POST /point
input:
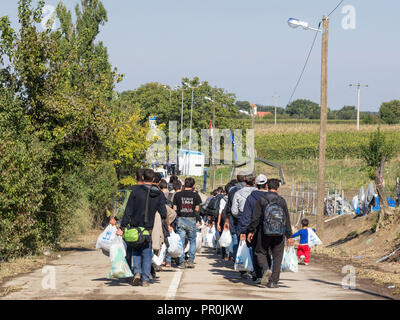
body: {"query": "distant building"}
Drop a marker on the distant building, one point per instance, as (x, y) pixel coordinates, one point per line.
(260, 114)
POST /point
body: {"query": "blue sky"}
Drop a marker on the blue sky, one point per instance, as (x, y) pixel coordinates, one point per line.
(247, 48)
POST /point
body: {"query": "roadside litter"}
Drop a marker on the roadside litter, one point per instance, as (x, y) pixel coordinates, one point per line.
(342, 206)
(388, 256)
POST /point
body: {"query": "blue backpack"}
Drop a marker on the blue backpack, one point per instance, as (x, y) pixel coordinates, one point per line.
(274, 223)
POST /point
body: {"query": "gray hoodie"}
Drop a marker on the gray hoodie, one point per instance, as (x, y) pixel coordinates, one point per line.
(239, 200)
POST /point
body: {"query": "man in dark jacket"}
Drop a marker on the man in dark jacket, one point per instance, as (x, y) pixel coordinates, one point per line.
(135, 216)
(266, 242)
(245, 219)
(232, 220)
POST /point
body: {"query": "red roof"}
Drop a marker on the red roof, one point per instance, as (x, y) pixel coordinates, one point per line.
(262, 114)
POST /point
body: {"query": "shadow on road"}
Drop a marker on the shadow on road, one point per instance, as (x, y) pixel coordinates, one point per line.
(359, 290)
(113, 282)
(220, 266)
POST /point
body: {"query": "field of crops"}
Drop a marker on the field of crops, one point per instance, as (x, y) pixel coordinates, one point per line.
(301, 141)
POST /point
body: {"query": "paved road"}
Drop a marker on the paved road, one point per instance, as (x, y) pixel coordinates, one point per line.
(82, 275)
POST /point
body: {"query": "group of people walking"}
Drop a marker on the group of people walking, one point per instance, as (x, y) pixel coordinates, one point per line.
(250, 208)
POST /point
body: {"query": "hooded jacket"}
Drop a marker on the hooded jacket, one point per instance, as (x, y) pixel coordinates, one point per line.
(239, 200)
(258, 213)
(134, 214)
(244, 218)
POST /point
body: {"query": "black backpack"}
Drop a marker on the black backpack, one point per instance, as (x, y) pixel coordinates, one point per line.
(213, 205)
(274, 223)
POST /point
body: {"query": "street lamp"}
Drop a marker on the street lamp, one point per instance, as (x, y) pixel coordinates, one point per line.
(191, 112)
(276, 104)
(295, 23)
(212, 142)
(358, 101)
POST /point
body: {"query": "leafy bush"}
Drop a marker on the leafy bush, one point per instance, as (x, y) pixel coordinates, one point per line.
(21, 184)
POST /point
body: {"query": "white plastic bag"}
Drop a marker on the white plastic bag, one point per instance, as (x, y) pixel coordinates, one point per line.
(199, 242)
(210, 238)
(158, 260)
(230, 248)
(243, 261)
(204, 233)
(226, 239)
(187, 247)
(290, 261)
(117, 243)
(313, 239)
(175, 249)
(106, 238)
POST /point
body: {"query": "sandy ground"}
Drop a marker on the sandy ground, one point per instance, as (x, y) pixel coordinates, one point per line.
(82, 275)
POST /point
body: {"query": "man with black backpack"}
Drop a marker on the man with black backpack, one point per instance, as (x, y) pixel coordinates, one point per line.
(271, 216)
(137, 223)
(215, 205)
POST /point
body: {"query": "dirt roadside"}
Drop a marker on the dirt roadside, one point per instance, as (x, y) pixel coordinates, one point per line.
(23, 266)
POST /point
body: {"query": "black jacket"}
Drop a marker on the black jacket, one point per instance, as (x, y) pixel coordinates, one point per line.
(134, 214)
(259, 209)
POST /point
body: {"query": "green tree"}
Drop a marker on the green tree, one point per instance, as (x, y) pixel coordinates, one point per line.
(304, 109)
(376, 154)
(56, 98)
(390, 112)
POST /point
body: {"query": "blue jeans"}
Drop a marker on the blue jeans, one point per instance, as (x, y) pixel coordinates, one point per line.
(187, 226)
(235, 243)
(141, 260)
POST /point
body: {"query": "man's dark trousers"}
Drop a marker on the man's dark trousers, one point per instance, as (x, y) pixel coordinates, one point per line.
(277, 246)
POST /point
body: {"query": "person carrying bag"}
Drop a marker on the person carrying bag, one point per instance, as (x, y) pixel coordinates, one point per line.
(136, 225)
(139, 237)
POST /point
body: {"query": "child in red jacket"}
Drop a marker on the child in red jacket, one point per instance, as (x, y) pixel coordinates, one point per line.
(303, 250)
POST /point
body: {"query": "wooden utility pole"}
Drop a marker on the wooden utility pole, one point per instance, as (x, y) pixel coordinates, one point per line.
(322, 139)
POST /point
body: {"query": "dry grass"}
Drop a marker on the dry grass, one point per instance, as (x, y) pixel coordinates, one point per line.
(352, 242)
(4, 291)
(262, 129)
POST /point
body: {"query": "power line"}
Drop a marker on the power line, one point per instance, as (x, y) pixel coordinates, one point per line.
(305, 64)
(336, 7)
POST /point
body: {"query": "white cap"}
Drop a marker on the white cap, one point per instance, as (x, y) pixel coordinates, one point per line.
(261, 179)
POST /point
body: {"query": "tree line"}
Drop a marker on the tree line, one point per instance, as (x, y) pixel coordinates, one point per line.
(389, 112)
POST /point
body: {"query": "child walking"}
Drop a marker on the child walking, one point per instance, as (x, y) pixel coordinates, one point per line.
(303, 250)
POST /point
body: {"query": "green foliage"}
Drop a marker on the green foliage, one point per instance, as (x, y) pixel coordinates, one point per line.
(154, 99)
(57, 112)
(377, 149)
(390, 112)
(304, 109)
(346, 113)
(340, 145)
